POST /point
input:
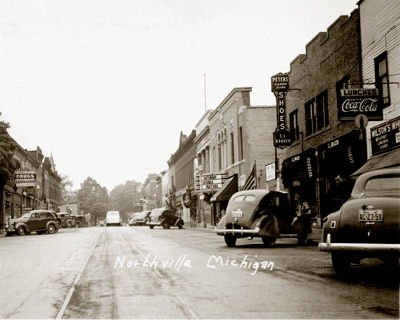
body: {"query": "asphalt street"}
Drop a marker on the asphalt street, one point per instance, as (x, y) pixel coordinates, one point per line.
(134, 272)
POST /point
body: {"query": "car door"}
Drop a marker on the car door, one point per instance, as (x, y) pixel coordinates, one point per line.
(34, 222)
(43, 220)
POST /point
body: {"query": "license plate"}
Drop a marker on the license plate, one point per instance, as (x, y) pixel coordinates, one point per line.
(237, 213)
(375, 215)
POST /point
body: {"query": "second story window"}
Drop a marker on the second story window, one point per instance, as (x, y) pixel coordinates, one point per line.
(294, 125)
(322, 110)
(232, 149)
(382, 78)
(310, 114)
(240, 143)
(316, 113)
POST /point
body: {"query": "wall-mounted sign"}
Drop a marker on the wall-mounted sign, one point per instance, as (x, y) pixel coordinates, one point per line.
(280, 82)
(355, 101)
(210, 182)
(385, 136)
(25, 179)
(279, 86)
(270, 172)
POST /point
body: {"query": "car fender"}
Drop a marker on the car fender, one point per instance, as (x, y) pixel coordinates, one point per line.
(298, 225)
(268, 225)
(330, 225)
(52, 222)
(178, 220)
(221, 223)
(19, 224)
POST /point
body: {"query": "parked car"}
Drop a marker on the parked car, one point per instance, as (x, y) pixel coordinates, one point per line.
(38, 221)
(165, 218)
(79, 221)
(132, 220)
(141, 218)
(262, 213)
(113, 218)
(368, 223)
(65, 220)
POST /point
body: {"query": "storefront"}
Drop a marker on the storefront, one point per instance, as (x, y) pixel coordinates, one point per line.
(338, 159)
(221, 198)
(299, 177)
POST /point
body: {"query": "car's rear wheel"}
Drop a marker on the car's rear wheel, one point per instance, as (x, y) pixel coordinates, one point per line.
(51, 228)
(268, 241)
(39, 232)
(340, 262)
(69, 224)
(180, 224)
(230, 240)
(8, 234)
(151, 227)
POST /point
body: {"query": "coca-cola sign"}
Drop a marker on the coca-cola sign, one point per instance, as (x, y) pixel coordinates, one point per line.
(352, 102)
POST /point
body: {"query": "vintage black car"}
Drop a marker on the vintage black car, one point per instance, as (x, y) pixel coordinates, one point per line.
(165, 218)
(368, 223)
(39, 221)
(261, 213)
(65, 220)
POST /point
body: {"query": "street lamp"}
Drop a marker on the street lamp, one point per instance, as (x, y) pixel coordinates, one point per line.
(202, 218)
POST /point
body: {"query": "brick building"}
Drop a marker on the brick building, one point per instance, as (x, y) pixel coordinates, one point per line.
(181, 179)
(240, 140)
(324, 150)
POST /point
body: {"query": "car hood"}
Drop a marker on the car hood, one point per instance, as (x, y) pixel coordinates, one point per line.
(16, 220)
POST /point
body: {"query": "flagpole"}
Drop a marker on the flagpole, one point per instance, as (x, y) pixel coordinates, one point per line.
(205, 94)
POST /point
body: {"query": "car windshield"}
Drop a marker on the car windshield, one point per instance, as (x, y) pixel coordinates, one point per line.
(141, 215)
(26, 215)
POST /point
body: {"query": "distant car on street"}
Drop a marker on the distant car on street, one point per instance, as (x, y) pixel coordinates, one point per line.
(113, 218)
(368, 223)
(39, 221)
(163, 217)
(141, 218)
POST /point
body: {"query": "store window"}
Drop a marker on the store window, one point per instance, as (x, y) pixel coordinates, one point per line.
(232, 149)
(240, 143)
(382, 78)
(311, 117)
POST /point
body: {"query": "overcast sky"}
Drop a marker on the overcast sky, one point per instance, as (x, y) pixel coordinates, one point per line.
(106, 86)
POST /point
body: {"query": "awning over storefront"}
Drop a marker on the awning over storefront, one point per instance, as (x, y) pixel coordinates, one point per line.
(229, 187)
(386, 160)
(298, 167)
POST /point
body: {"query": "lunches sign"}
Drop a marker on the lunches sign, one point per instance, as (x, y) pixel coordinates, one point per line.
(355, 101)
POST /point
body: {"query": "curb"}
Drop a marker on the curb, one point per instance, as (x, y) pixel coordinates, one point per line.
(315, 236)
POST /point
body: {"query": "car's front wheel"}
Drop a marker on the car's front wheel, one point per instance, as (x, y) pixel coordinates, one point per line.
(340, 262)
(165, 225)
(51, 228)
(69, 224)
(268, 241)
(21, 231)
(151, 227)
(230, 240)
(180, 224)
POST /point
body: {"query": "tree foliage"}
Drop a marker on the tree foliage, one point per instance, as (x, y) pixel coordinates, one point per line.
(93, 198)
(66, 187)
(124, 197)
(8, 164)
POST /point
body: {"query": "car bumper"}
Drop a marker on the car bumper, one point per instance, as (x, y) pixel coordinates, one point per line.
(328, 246)
(240, 231)
(154, 224)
